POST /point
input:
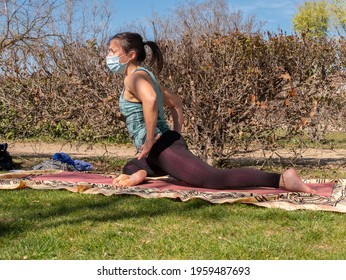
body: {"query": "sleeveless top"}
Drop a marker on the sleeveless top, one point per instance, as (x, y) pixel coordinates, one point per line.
(133, 112)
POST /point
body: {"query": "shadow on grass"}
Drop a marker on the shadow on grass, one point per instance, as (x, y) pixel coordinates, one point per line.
(39, 210)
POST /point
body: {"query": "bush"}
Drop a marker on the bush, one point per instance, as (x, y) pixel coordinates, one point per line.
(74, 99)
(244, 91)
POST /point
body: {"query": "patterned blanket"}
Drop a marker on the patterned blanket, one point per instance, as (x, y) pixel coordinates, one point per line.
(331, 194)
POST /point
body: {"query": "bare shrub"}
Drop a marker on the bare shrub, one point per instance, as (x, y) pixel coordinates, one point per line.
(68, 97)
(54, 81)
(244, 91)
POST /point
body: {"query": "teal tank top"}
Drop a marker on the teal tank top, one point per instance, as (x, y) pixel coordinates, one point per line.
(133, 112)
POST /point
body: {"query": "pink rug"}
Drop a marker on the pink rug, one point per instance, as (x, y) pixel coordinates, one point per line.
(323, 189)
(330, 193)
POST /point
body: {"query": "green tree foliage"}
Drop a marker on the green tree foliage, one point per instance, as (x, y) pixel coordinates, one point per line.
(312, 19)
(320, 18)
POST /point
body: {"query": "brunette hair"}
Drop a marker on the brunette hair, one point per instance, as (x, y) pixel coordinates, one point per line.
(133, 41)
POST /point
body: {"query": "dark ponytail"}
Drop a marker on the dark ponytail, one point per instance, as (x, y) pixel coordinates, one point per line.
(156, 57)
(133, 41)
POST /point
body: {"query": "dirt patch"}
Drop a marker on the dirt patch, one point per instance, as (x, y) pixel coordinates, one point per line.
(110, 158)
(43, 149)
(308, 157)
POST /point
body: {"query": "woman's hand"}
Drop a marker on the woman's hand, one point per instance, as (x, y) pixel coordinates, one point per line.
(146, 147)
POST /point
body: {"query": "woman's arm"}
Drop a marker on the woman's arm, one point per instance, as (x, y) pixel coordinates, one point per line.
(173, 102)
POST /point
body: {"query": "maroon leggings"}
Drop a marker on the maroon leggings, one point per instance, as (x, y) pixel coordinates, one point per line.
(171, 156)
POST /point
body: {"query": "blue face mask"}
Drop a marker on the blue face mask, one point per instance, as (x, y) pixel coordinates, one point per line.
(114, 64)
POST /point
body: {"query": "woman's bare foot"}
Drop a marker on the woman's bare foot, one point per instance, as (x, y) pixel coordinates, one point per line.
(125, 180)
(290, 181)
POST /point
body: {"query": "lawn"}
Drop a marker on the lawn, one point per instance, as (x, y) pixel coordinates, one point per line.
(62, 225)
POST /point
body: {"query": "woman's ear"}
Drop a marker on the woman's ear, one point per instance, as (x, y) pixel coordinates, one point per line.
(132, 55)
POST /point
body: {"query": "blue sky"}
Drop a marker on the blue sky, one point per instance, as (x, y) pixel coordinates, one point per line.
(275, 13)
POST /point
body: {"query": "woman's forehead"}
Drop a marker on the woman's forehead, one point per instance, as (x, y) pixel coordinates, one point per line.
(115, 44)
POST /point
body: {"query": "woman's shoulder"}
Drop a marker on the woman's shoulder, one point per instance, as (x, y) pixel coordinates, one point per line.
(137, 76)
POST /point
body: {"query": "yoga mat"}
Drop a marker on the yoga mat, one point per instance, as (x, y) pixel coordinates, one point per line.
(330, 194)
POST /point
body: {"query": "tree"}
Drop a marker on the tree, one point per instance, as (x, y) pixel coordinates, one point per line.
(320, 18)
(338, 12)
(198, 18)
(24, 21)
(312, 19)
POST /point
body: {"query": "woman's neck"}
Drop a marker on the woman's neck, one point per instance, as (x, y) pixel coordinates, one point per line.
(131, 68)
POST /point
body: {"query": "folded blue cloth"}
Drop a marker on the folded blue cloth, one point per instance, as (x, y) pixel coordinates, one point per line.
(78, 164)
(82, 165)
(64, 158)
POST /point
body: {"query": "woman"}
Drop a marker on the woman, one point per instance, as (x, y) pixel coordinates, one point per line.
(162, 151)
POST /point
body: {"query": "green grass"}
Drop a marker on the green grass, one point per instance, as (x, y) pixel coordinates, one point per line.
(332, 140)
(63, 225)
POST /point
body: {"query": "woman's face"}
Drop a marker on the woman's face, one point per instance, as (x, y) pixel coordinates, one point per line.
(116, 50)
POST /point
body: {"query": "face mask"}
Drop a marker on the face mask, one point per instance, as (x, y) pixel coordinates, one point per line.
(114, 64)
